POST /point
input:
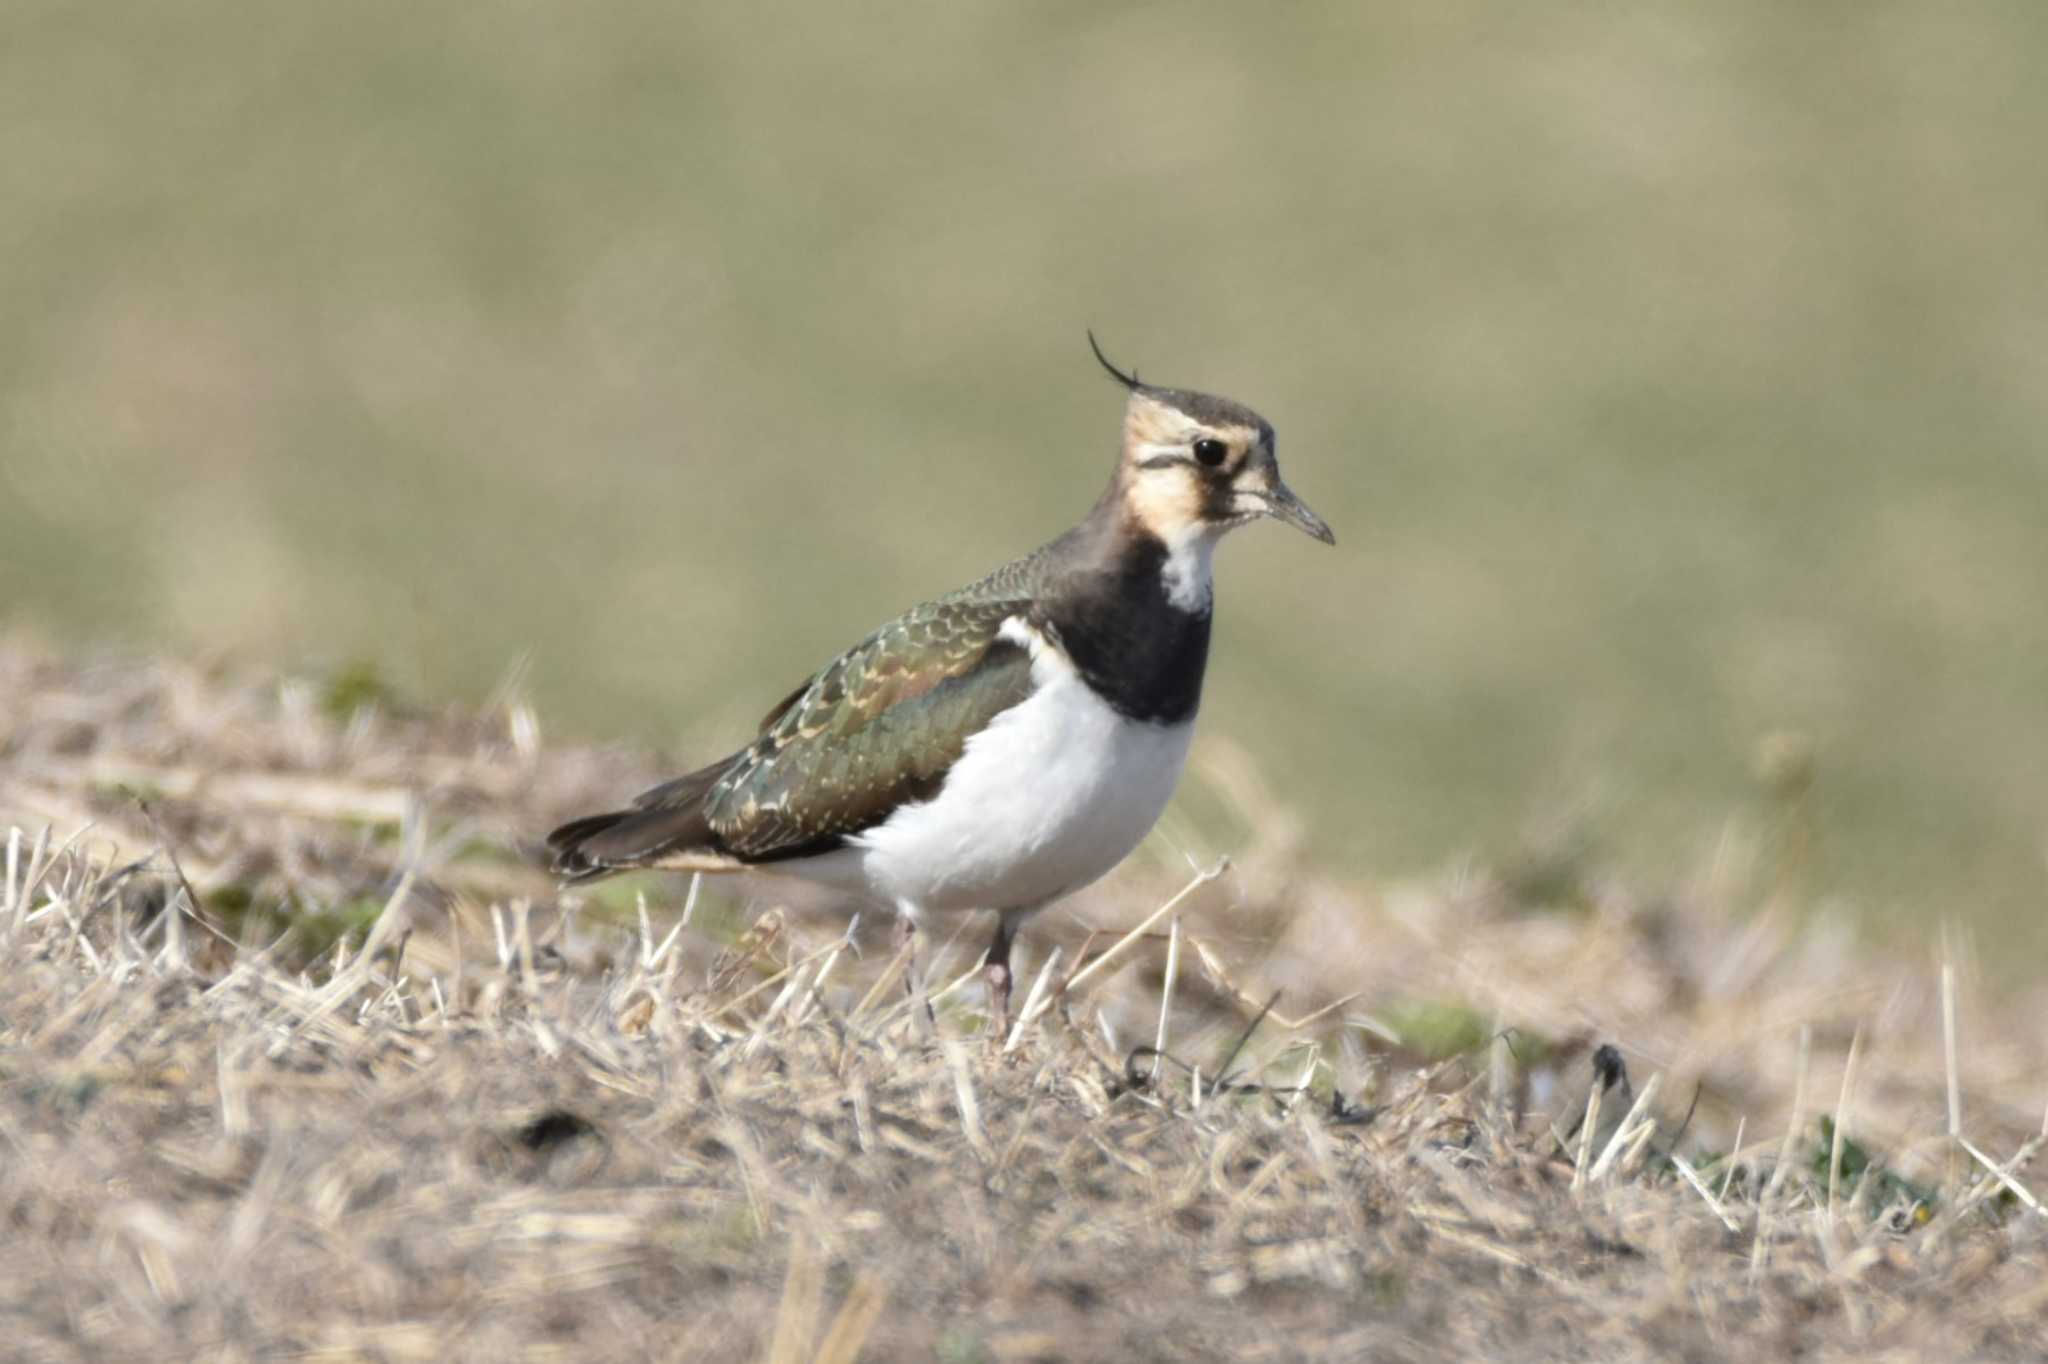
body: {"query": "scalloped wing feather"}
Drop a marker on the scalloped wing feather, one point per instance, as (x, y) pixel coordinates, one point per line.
(876, 728)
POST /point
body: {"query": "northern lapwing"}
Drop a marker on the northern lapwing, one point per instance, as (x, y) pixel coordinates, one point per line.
(1004, 745)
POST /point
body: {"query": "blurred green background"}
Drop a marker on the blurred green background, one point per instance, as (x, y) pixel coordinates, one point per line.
(1674, 375)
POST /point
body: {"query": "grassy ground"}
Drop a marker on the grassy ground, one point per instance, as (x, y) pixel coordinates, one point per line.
(299, 1055)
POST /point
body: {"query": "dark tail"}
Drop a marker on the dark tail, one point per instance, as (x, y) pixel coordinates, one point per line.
(667, 823)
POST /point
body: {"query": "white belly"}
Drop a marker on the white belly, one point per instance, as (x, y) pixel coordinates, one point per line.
(1055, 792)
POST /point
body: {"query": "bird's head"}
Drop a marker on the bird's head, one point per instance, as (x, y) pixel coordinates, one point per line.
(1198, 465)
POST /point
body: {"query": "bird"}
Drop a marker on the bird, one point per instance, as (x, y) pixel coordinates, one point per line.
(1001, 746)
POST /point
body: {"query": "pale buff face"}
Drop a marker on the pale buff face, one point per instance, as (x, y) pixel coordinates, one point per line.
(1183, 477)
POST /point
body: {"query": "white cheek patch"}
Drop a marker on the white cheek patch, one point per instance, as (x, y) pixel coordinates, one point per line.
(1165, 500)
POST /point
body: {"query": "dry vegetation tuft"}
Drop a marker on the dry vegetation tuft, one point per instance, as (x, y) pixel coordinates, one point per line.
(297, 1056)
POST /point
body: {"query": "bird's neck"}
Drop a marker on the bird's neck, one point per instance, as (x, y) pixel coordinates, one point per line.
(1133, 612)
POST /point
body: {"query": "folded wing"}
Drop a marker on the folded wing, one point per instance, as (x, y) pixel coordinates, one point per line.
(877, 728)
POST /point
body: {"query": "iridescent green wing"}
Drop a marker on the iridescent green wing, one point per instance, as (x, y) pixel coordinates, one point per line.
(877, 728)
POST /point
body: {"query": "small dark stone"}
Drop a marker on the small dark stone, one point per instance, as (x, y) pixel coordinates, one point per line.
(554, 1128)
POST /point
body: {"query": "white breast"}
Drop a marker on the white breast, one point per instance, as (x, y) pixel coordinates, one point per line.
(1055, 792)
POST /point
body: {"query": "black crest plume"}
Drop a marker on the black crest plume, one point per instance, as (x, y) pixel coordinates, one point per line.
(1129, 381)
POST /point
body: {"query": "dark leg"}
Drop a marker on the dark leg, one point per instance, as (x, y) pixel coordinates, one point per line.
(997, 970)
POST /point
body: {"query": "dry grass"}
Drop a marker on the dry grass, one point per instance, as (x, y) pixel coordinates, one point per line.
(471, 1122)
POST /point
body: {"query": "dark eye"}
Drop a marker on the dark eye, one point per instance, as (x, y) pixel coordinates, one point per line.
(1210, 451)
